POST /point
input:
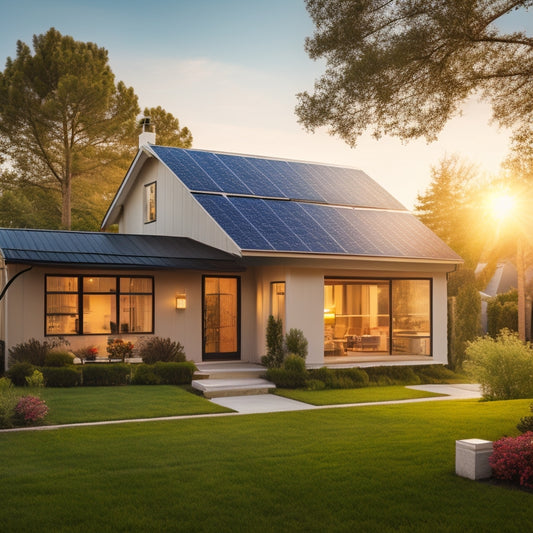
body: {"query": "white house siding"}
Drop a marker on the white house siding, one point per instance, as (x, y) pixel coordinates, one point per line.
(178, 213)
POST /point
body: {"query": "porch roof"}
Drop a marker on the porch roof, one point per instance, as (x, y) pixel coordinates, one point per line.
(92, 249)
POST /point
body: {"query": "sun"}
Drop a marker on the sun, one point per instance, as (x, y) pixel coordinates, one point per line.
(502, 205)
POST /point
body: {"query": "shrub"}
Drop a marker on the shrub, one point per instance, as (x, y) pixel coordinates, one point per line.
(8, 402)
(526, 423)
(119, 349)
(18, 373)
(58, 358)
(105, 374)
(34, 351)
(314, 384)
(292, 374)
(87, 353)
(145, 375)
(274, 341)
(502, 313)
(36, 380)
(158, 349)
(62, 376)
(434, 373)
(341, 378)
(392, 375)
(503, 366)
(175, 373)
(30, 410)
(296, 343)
(512, 459)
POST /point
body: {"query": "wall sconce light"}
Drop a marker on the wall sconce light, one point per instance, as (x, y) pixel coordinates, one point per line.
(181, 301)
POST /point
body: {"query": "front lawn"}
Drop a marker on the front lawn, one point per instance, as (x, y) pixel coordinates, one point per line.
(89, 404)
(347, 396)
(387, 468)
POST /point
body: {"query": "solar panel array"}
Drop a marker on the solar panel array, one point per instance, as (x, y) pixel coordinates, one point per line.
(272, 178)
(291, 226)
(288, 206)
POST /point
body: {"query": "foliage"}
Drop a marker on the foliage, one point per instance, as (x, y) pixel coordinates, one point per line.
(36, 380)
(392, 375)
(291, 375)
(58, 358)
(175, 373)
(502, 312)
(87, 353)
(434, 374)
(105, 374)
(62, 116)
(274, 341)
(526, 422)
(340, 378)
(62, 376)
(450, 207)
(512, 459)
(503, 366)
(8, 402)
(404, 68)
(296, 343)
(158, 349)
(119, 349)
(34, 351)
(30, 410)
(144, 375)
(18, 373)
(167, 128)
(466, 321)
(167, 373)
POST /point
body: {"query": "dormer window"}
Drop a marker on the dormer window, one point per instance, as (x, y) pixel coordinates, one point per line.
(150, 202)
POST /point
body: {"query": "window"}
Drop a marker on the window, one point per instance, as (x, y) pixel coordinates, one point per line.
(277, 300)
(85, 305)
(150, 202)
(388, 316)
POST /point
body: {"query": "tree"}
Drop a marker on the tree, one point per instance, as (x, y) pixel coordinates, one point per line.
(62, 117)
(450, 207)
(167, 128)
(403, 68)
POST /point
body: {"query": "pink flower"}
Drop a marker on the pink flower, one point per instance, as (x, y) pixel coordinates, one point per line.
(512, 459)
(31, 409)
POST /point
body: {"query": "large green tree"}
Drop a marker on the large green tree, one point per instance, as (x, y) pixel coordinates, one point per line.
(62, 116)
(167, 128)
(404, 67)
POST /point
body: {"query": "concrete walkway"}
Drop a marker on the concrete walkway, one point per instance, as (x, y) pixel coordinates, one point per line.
(270, 403)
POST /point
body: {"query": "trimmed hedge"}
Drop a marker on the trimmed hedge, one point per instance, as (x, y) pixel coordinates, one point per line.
(392, 375)
(58, 358)
(340, 378)
(62, 376)
(164, 373)
(18, 373)
(106, 374)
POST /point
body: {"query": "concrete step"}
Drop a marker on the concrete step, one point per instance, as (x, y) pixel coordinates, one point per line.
(229, 371)
(217, 388)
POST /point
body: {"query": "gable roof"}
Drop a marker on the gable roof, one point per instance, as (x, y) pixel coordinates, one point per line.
(91, 249)
(271, 206)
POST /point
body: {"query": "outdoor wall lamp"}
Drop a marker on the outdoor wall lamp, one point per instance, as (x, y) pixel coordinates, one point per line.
(181, 301)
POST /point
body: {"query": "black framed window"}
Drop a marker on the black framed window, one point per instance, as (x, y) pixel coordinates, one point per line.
(150, 202)
(96, 305)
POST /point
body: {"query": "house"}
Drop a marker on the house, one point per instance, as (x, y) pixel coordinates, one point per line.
(209, 245)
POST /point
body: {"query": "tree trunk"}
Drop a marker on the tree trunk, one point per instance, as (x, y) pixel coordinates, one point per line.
(66, 188)
(521, 286)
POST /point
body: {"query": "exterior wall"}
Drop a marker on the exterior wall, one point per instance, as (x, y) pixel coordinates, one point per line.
(178, 213)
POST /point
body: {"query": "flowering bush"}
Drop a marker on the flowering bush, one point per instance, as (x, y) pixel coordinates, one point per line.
(36, 380)
(118, 349)
(88, 353)
(512, 459)
(30, 409)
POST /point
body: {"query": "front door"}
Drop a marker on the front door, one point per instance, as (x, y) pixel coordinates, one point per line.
(221, 318)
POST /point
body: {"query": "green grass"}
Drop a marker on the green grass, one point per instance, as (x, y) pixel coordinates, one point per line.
(89, 404)
(387, 468)
(344, 396)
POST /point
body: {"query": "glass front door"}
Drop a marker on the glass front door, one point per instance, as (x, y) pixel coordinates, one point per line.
(221, 318)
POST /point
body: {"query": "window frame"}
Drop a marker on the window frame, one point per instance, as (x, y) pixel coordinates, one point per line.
(390, 280)
(149, 198)
(80, 295)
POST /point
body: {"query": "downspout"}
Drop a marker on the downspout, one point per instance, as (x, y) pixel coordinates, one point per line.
(3, 303)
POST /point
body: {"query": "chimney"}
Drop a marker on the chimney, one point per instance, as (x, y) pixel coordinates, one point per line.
(147, 135)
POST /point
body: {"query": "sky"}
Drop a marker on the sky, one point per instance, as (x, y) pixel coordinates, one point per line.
(230, 70)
